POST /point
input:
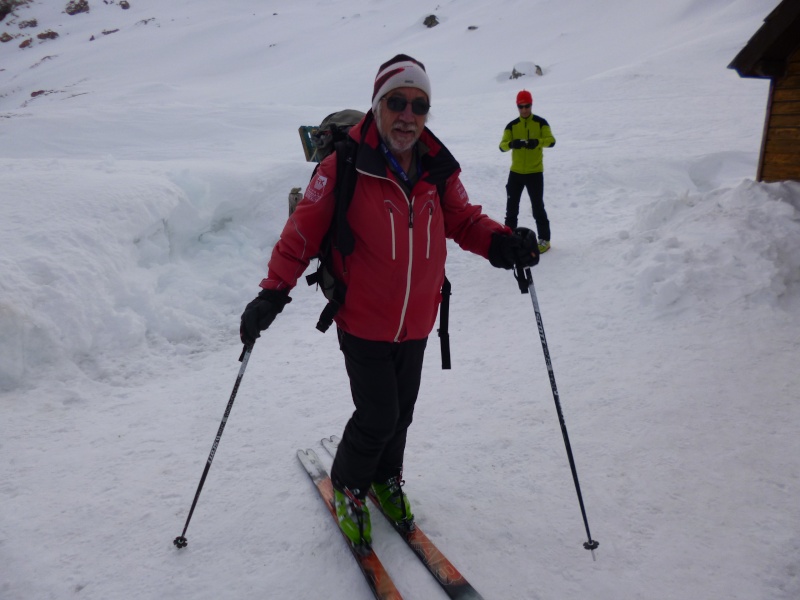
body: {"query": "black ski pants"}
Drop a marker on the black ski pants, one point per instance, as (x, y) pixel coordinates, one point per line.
(534, 183)
(384, 381)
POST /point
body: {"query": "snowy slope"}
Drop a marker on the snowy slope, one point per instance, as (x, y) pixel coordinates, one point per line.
(141, 194)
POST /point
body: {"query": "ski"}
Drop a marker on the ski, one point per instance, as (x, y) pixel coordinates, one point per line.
(453, 583)
(375, 574)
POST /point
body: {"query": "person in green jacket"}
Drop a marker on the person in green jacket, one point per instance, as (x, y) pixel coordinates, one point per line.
(526, 136)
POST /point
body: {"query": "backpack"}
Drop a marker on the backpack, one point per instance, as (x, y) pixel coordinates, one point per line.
(318, 140)
(332, 135)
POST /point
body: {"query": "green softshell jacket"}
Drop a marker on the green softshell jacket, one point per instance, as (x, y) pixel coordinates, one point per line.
(525, 160)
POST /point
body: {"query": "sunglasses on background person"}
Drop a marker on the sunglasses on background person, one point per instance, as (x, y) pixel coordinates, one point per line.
(419, 106)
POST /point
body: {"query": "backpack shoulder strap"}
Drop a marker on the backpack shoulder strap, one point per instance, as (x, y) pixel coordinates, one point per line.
(444, 307)
(339, 234)
(346, 176)
(346, 151)
(444, 323)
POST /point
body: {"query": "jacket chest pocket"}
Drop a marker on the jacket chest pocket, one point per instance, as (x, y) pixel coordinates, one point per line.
(413, 227)
(427, 221)
(394, 219)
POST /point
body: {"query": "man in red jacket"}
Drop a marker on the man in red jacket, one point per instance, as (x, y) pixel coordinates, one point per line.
(393, 276)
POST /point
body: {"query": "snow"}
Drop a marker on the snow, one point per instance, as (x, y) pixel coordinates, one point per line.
(142, 194)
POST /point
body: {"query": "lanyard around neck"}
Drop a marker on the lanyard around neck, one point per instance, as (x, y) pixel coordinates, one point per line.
(396, 165)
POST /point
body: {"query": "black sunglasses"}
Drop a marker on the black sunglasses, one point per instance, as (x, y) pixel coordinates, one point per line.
(523, 105)
(419, 106)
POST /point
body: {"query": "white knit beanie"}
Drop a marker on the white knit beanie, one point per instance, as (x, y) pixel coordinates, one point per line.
(400, 71)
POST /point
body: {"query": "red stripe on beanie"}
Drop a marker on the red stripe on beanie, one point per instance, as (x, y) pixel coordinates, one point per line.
(386, 77)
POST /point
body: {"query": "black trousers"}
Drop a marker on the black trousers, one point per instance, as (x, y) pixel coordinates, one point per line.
(384, 381)
(534, 183)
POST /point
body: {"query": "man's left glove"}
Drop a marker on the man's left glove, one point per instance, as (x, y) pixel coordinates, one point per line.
(531, 144)
(520, 248)
(260, 313)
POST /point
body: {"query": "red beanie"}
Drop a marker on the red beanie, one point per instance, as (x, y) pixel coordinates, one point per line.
(400, 71)
(524, 97)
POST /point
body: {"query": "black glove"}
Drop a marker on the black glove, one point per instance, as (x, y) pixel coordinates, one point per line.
(516, 144)
(520, 248)
(260, 313)
(532, 144)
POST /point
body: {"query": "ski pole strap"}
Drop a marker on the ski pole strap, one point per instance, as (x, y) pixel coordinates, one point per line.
(444, 323)
(523, 277)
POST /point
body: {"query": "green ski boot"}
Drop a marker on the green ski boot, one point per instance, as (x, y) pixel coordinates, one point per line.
(353, 516)
(394, 502)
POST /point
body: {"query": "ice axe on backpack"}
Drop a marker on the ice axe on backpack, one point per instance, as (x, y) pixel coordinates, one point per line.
(525, 281)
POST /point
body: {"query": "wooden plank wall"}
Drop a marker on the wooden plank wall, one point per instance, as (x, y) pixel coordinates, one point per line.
(780, 158)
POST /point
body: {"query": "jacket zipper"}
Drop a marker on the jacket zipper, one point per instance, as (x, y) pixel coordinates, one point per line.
(410, 264)
(410, 249)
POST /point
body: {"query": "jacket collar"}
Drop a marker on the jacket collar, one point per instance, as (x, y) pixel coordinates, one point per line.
(438, 164)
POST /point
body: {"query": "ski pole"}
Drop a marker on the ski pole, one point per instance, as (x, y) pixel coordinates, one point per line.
(525, 281)
(181, 540)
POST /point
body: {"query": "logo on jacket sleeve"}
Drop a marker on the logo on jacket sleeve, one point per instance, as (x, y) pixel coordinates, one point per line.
(316, 188)
(462, 192)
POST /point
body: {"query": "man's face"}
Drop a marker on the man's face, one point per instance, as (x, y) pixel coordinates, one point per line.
(524, 109)
(401, 129)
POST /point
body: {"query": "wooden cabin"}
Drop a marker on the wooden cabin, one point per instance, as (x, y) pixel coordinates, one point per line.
(774, 53)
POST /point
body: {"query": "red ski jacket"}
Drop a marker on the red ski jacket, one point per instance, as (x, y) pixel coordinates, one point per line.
(395, 273)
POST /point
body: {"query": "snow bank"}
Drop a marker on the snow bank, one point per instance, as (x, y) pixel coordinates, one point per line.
(128, 261)
(104, 258)
(722, 248)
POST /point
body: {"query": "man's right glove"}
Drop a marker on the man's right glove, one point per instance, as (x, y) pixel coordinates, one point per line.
(260, 313)
(516, 144)
(520, 248)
